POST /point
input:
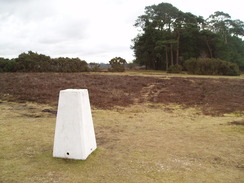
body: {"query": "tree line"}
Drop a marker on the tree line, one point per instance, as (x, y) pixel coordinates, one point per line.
(34, 62)
(170, 37)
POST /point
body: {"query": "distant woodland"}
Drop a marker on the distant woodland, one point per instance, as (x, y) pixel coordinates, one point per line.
(170, 37)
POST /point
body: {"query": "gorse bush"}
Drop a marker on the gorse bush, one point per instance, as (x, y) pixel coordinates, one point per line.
(68, 65)
(117, 64)
(33, 62)
(208, 66)
(7, 65)
(175, 69)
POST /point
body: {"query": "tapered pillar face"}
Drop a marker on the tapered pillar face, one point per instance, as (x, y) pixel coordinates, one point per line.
(74, 133)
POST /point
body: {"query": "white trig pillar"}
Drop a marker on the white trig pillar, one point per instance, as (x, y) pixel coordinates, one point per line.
(74, 133)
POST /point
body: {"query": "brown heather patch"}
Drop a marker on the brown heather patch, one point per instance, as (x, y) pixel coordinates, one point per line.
(215, 96)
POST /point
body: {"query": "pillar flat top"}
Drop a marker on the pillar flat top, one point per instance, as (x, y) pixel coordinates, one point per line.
(74, 90)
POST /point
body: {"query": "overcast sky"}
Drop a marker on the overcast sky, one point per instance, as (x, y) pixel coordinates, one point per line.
(93, 30)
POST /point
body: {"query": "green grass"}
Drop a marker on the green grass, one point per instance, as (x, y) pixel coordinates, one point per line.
(146, 143)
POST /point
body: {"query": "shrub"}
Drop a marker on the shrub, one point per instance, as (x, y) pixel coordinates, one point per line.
(207, 66)
(34, 62)
(62, 64)
(175, 69)
(7, 65)
(117, 64)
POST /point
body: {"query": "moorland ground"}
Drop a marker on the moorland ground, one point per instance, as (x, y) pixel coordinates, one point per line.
(149, 128)
(214, 96)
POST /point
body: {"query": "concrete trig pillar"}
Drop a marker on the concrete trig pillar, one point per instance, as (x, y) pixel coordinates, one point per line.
(74, 133)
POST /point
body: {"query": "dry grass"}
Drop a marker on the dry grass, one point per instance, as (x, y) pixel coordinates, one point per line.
(138, 144)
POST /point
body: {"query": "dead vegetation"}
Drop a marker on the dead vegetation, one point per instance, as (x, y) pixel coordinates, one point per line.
(237, 123)
(215, 96)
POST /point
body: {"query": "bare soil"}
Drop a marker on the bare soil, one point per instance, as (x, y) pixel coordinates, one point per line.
(214, 96)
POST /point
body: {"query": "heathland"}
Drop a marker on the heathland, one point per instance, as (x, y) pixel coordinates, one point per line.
(150, 127)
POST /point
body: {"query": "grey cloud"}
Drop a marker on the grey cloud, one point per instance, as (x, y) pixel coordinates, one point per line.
(36, 25)
(60, 28)
(26, 10)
